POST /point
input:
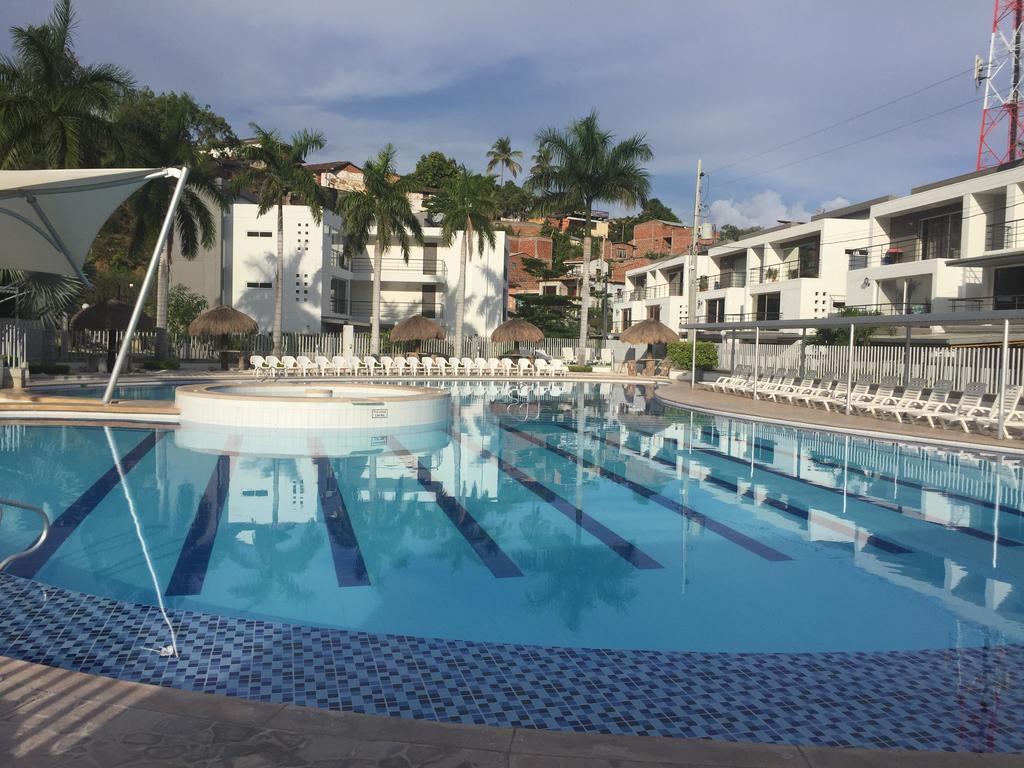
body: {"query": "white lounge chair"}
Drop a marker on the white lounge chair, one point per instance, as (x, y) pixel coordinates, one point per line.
(494, 366)
(970, 405)
(558, 368)
(415, 366)
(387, 364)
(470, 367)
(429, 369)
(509, 368)
(894, 405)
(936, 400)
(290, 365)
(455, 366)
(526, 367)
(1014, 418)
(401, 365)
(306, 366)
(884, 393)
(260, 367)
(325, 366)
(372, 365)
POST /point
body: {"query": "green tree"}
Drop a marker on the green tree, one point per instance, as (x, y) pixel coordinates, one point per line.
(514, 202)
(840, 336)
(277, 173)
(172, 130)
(730, 232)
(383, 207)
(541, 161)
(586, 167)
(183, 306)
(55, 112)
(38, 295)
(434, 169)
(556, 316)
(466, 204)
(501, 154)
(655, 210)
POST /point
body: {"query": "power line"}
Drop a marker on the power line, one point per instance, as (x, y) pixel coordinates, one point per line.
(850, 119)
(852, 143)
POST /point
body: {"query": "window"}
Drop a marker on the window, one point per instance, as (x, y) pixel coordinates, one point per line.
(430, 259)
(254, 233)
(550, 290)
(716, 311)
(627, 318)
(768, 307)
(259, 285)
(654, 312)
(429, 300)
(339, 296)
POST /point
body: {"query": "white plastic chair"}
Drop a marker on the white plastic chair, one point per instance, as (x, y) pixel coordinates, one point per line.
(558, 368)
(493, 366)
(372, 365)
(290, 365)
(341, 365)
(324, 365)
(469, 366)
(306, 366)
(429, 369)
(508, 367)
(526, 368)
(387, 365)
(400, 364)
(260, 366)
(542, 367)
(457, 368)
(415, 366)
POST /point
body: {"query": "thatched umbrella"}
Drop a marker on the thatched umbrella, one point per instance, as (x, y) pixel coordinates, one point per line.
(517, 330)
(223, 321)
(112, 316)
(417, 328)
(649, 331)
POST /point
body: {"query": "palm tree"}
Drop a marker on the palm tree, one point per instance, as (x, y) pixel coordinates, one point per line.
(541, 161)
(54, 111)
(501, 153)
(277, 173)
(467, 202)
(382, 208)
(585, 168)
(164, 129)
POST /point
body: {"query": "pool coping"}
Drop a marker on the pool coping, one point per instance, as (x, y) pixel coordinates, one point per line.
(99, 712)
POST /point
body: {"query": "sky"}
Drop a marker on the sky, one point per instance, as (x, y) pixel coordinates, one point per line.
(718, 80)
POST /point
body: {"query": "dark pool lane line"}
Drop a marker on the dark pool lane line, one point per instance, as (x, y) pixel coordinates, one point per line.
(742, 540)
(349, 565)
(486, 548)
(620, 546)
(900, 509)
(780, 504)
(194, 558)
(69, 520)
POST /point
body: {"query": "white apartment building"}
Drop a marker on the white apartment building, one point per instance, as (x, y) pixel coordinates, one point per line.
(954, 245)
(324, 291)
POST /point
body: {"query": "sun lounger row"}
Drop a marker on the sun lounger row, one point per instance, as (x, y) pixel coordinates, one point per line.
(974, 410)
(369, 365)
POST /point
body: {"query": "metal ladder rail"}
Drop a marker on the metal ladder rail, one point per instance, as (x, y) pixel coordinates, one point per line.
(4, 503)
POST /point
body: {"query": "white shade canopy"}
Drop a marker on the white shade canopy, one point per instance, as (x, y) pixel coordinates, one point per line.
(48, 219)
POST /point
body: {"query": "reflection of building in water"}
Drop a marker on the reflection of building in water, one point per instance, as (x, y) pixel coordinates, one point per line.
(11, 436)
(269, 490)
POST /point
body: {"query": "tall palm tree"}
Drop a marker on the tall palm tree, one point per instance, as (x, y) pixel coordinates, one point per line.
(466, 203)
(277, 173)
(587, 167)
(541, 161)
(381, 209)
(164, 130)
(54, 111)
(502, 154)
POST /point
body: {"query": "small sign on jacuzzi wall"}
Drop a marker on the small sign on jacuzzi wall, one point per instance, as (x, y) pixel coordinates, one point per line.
(379, 413)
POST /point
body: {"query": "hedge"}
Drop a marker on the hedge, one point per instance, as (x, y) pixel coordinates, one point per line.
(707, 355)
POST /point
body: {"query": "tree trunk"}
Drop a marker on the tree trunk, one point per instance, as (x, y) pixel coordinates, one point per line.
(460, 294)
(163, 280)
(279, 281)
(581, 357)
(378, 265)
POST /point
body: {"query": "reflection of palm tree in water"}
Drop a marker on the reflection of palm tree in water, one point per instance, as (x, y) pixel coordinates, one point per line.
(571, 577)
(274, 566)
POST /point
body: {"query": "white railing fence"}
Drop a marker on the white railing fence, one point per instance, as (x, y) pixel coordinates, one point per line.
(962, 365)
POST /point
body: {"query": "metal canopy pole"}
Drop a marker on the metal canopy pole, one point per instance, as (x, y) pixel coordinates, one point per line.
(803, 352)
(906, 358)
(693, 362)
(757, 349)
(849, 373)
(122, 355)
(1004, 374)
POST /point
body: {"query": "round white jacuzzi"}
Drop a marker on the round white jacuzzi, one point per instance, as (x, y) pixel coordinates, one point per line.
(312, 405)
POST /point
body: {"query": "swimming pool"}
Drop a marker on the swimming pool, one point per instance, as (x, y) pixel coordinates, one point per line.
(545, 516)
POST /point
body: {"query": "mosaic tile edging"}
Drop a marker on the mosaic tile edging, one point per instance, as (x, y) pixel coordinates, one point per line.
(965, 700)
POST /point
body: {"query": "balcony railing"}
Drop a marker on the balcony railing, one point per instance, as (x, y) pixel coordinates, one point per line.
(415, 267)
(902, 252)
(997, 302)
(729, 279)
(892, 308)
(655, 292)
(736, 317)
(786, 270)
(397, 310)
(1004, 235)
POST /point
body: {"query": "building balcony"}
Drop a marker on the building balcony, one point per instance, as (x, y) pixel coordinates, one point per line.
(729, 279)
(986, 303)
(893, 308)
(390, 311)
(904, 251)
(396, 269)
(662, 291)
(786, 270)
(1004, 236)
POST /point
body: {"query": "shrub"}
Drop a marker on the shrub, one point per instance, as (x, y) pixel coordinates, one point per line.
(580, 368)
(167, 364)
(49, 368)
(679, 354)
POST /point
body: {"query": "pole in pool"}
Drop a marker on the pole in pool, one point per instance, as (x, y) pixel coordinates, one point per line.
(1004, 374)
(147, 282)
(849, 373)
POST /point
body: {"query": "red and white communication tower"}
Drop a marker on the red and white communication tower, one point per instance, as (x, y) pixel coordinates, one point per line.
(1002, 119)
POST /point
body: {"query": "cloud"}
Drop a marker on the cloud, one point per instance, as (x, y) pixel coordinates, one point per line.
(765, 209)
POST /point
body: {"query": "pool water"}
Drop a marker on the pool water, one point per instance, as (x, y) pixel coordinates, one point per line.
(550, 514)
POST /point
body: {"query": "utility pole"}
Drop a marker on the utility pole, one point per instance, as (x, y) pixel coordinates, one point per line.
(691, 278)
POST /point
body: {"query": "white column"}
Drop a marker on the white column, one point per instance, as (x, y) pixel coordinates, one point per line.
(1004, 374)
(757, 351)
(849, 372)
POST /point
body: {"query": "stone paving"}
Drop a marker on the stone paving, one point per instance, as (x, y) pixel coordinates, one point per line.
(51, 717)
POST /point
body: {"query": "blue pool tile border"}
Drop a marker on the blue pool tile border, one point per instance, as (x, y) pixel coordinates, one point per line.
(964, 700)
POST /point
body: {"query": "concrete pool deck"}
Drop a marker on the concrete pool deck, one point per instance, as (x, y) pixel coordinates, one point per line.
(54, 717)
(704, 399)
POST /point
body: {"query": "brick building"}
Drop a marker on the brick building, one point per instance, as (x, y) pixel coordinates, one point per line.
(520, 247)
(664, 238)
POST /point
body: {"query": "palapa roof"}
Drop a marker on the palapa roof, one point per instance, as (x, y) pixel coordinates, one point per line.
(109, 315)
(517, 330)
(220, 321)
(648, 331)
(416, 328)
